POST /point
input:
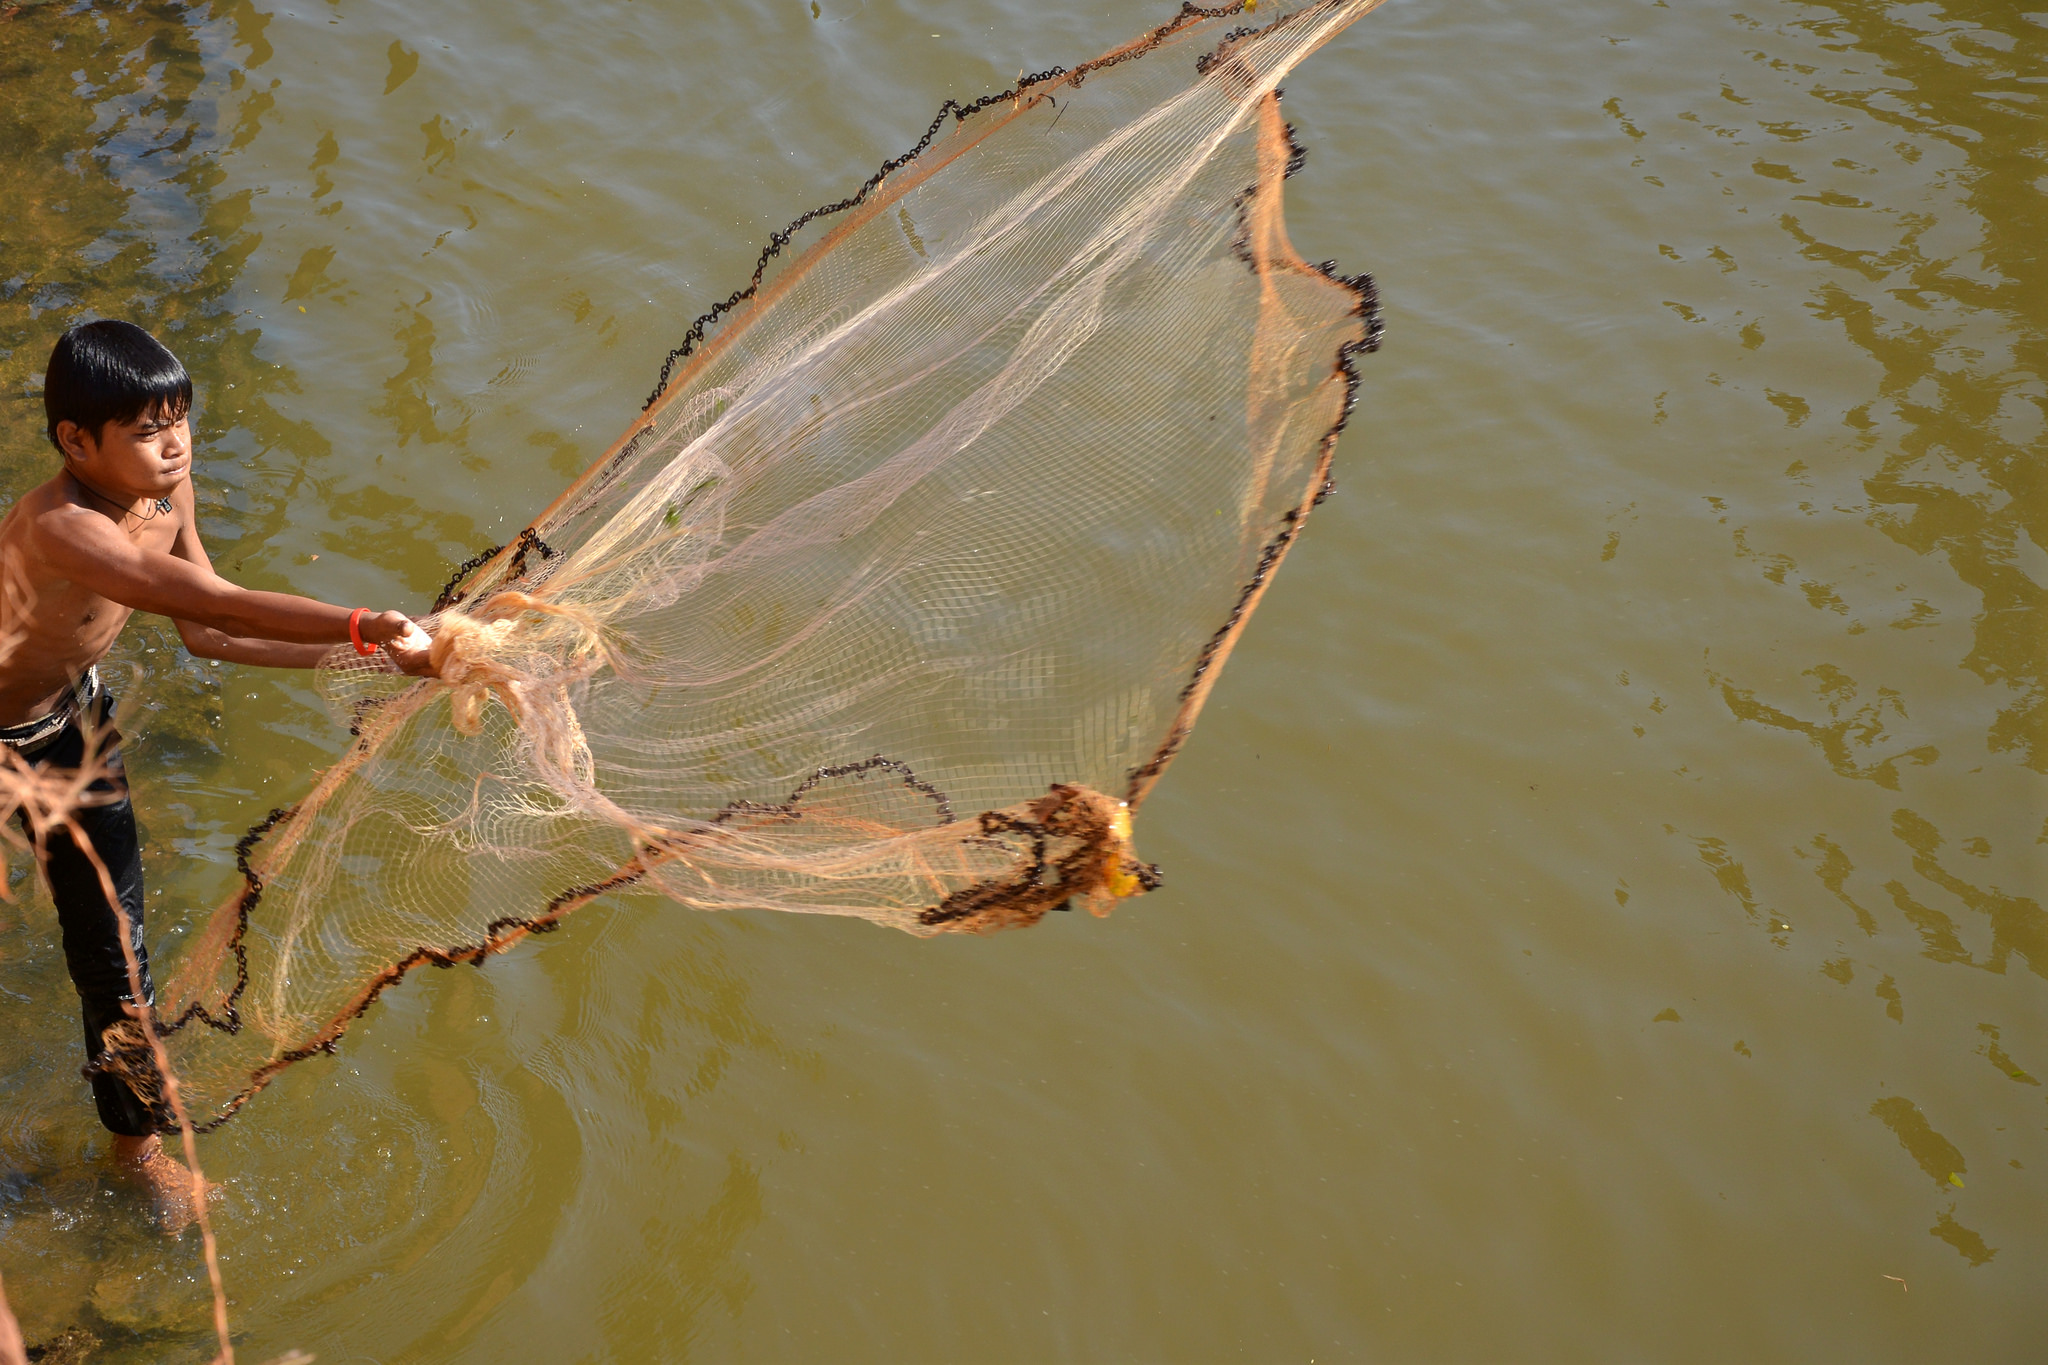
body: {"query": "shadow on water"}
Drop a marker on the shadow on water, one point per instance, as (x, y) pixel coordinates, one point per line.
(1940, 451)
(110, 116)
(115, 120)
(1957, 326)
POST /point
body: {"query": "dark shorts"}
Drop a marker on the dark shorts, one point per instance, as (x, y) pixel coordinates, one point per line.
(92, 932)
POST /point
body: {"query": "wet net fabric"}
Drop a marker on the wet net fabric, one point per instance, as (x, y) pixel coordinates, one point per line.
(895, 600)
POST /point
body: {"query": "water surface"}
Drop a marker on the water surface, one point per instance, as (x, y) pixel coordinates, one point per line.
(1603, 916)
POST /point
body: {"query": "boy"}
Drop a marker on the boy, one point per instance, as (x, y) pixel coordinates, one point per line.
(114, 533)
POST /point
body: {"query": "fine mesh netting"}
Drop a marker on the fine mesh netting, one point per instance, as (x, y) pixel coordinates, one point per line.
(897, 598)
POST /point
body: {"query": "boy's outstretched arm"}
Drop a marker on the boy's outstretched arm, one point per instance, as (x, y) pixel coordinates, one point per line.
(216, 618)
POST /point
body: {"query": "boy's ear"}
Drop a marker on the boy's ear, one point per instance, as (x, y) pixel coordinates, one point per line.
(71, 436)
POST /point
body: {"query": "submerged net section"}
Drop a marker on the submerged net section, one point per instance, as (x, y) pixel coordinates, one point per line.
(896, 599)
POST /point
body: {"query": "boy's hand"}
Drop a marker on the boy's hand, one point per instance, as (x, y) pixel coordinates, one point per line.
(402, 639)
(409, 649)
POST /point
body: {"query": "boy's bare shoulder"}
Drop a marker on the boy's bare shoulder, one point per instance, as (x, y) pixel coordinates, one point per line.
(45, 537)
(29, 509)
(58, 492)
(52, 507)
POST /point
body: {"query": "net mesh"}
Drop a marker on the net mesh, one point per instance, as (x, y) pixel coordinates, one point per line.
(896, 599)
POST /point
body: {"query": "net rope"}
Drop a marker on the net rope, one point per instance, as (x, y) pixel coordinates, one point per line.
(896, 599)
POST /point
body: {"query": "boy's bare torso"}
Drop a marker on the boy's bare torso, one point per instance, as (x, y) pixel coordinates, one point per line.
(53, 629)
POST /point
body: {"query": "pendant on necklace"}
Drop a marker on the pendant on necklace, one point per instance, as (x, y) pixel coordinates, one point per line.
(163, 505)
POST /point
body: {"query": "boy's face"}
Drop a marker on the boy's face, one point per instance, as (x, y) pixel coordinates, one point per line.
(148, 456)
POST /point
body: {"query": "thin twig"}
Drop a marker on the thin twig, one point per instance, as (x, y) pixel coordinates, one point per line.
(141, 1015)
(48, 800)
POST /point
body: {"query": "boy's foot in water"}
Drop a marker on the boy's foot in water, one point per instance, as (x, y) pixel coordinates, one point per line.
(170, 1186)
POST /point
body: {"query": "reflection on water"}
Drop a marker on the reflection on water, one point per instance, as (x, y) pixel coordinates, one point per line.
(109, 117)
(1603, 912)
(1938, 448)
(1957, 418)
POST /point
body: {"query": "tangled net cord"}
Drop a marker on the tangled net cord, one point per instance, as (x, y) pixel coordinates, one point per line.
(940, 537)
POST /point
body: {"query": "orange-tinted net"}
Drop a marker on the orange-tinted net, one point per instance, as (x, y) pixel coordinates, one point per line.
(894, 602)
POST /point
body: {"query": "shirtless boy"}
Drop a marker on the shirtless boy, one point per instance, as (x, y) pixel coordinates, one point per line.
(111, 534)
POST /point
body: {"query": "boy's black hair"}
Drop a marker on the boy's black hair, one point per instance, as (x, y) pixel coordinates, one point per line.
(109, 371)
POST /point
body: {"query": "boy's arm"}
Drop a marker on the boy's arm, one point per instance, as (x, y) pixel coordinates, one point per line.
(208, 642)
(216, 618)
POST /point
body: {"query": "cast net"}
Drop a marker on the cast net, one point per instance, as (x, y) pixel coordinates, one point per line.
(896, 599)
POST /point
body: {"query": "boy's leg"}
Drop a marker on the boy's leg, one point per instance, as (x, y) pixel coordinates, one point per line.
(91, 930)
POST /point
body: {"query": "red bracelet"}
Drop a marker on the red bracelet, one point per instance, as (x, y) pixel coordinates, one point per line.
(355, 631)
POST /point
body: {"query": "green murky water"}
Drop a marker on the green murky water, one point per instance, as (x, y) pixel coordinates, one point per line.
(1604, 907)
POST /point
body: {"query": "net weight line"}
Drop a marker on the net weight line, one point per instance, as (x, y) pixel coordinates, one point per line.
(1046, 884)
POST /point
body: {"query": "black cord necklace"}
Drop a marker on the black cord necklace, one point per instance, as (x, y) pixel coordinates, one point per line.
(160, 507)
